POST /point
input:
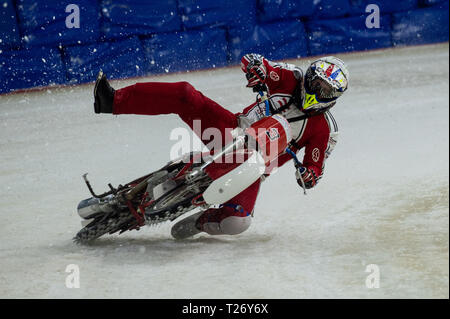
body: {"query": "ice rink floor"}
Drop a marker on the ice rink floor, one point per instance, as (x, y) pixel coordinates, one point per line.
(384, 198)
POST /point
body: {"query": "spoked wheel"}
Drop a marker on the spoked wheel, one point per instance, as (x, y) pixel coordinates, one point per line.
(181, 199)
(110, 223)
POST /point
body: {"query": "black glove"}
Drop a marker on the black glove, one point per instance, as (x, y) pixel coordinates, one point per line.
(255, 70)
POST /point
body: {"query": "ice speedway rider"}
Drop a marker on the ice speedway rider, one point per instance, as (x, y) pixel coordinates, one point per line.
(303, 99)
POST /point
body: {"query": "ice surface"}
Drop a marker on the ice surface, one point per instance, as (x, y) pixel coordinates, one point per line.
(383, 200)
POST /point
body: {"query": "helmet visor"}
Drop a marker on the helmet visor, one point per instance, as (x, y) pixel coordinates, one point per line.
(322, 90)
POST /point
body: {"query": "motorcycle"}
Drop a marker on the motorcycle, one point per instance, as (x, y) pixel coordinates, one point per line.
(195, 180)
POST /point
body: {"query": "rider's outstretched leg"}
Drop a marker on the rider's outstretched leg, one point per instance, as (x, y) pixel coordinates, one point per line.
(155, 98)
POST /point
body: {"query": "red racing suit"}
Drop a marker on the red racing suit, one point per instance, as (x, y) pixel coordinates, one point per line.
(317, 134)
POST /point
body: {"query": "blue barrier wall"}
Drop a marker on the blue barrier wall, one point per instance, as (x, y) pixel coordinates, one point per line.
(189, 50)
(386, 6)
(272, 10)
(202, 13)
(421, 26)
(122, 18)
(128, 38)
(44, 22)
(9, 29)
(118, 59)
(30, 68)
(267, 40)
(347, 34)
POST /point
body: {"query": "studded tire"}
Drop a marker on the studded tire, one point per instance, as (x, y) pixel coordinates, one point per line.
(104, 225)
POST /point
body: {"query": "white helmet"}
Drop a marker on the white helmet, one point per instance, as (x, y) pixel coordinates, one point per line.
(326, 79)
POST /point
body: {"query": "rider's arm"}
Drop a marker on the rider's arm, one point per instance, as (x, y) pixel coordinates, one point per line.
(278, 78)
(311, 169)
(313, 160)
(318, 141)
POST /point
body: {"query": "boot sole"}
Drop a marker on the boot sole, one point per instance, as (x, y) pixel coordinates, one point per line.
(96, 104)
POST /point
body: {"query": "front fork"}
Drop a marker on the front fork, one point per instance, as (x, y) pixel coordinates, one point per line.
(101, 203)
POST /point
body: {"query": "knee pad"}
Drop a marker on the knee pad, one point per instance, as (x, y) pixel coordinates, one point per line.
(231, 225)
(234, 225)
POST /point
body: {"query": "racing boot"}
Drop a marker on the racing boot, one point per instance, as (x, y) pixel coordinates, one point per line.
(103, 95)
